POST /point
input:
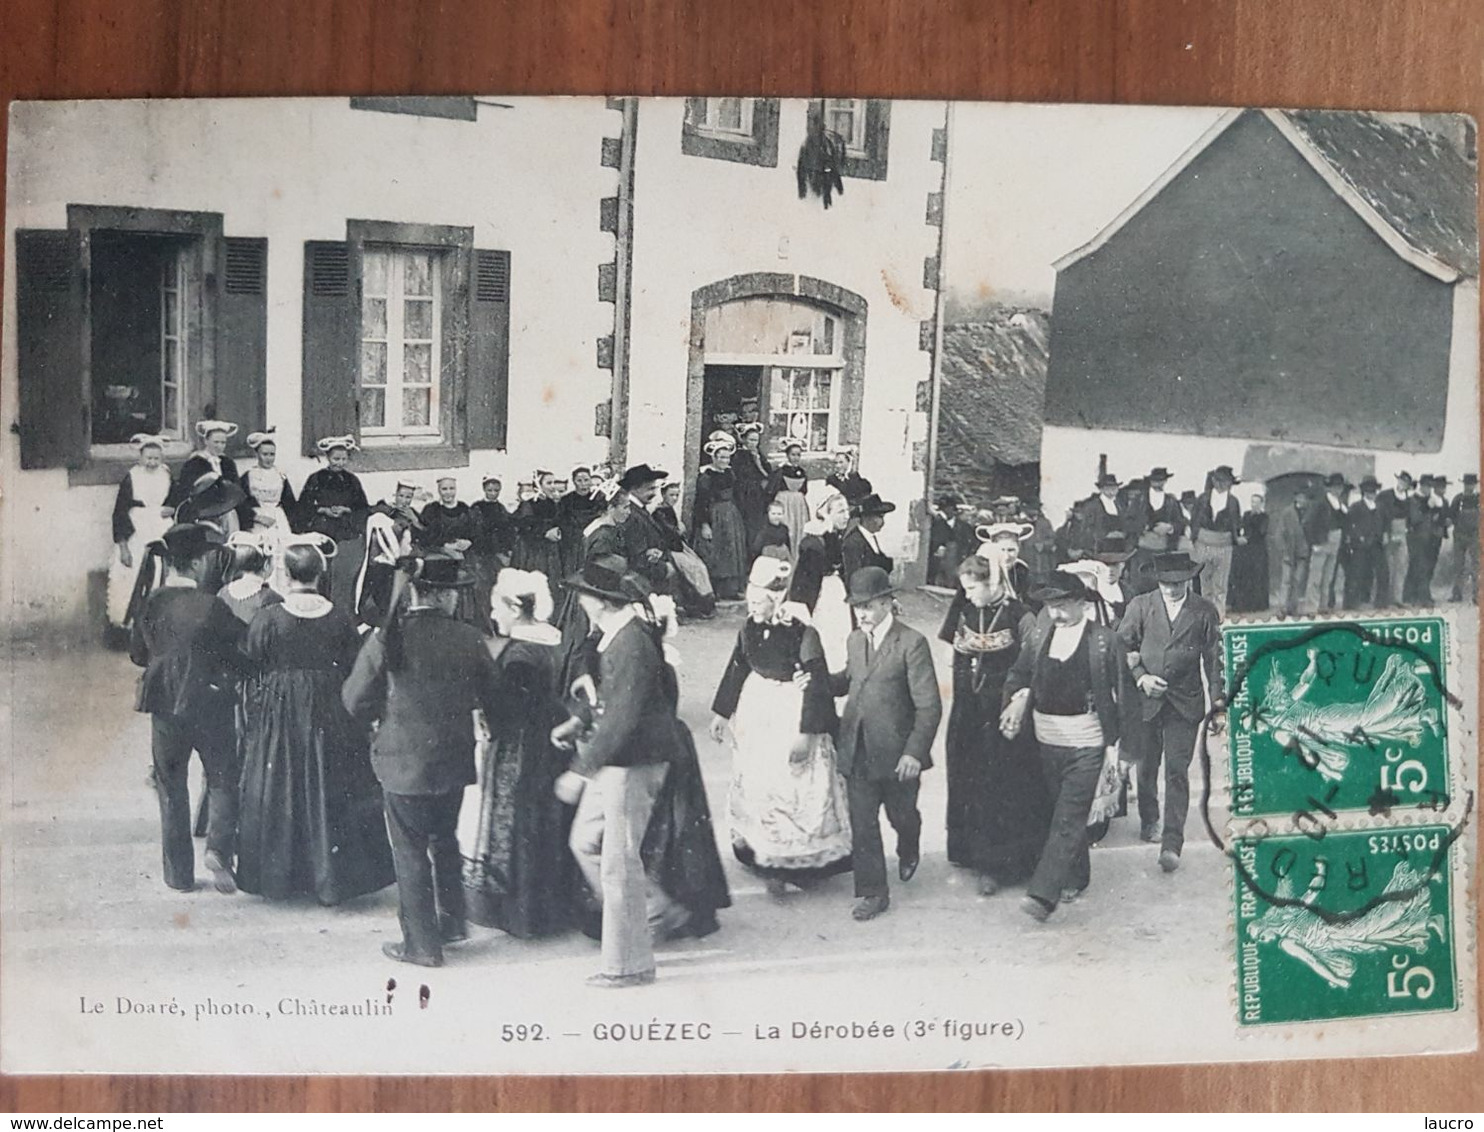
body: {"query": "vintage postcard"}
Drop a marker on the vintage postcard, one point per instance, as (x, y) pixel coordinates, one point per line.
(623, 585)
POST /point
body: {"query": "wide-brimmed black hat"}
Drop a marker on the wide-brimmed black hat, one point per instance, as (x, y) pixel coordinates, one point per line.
(211, 497)
(1188, 496)
(1334, 479)
(603, 577)
(1113, 547)
(1370, 483)
(639, 475)
(868, 583)
(872, 504)
(1060, 585)
(188, 541)
(1160, 473)
(443, 572)
(1176, 567)
(1108, 479)
(1225, 470)
(1470, 477)
(948, 502)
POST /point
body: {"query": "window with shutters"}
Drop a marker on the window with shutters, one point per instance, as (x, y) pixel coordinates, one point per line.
(135, 320)
(406, 343)
(731, 129)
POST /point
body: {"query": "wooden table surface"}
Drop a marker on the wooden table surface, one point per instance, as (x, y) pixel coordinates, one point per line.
(1361, 54)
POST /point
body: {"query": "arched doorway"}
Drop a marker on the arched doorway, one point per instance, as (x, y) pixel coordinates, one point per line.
(785, 350)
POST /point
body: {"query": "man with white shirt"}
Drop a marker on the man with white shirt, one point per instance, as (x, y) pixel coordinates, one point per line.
(886, 733)
(1155, 519)
(1326, 528)
(1067, 680)
(1097, 517)
(1215, 530)
(1173, 639)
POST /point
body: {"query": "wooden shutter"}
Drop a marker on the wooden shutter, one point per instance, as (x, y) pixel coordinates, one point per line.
(242, 342)
(49, 339)
(489, 349)
(332, 320)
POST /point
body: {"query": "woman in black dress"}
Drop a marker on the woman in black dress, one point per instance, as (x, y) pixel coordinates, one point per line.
(752, 470)
(538, 524)
(311, 817)
(451, 527)
(998, 812)
(334, 503)
(1249, 590)
(721, 537)
(577, 509)
(519, 876)
(210, 459)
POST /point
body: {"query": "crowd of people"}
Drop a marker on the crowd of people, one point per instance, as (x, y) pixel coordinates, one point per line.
(346, 671)
(1339, 545)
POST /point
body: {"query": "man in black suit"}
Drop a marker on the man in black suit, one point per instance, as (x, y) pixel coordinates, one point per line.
(1066, 679)
(421, 679)
(189, 645)
(1154, 516)
(618, 772)
(861, 546)
(643, 538)
(1363, 545)
(886, 732)
(1172, 637)
(1326, 525)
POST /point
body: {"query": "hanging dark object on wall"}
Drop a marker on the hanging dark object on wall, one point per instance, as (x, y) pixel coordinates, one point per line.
(821, 159)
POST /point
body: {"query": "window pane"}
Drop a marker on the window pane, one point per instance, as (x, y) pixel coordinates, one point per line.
(778, 390)
(376, 273)
(417, 315)
(417, 274)
(417, 365)
(170, 362)
(800, 381)
(373, 318)
(819, 432)
(821, 398)
(170, 413)
(373, 407)
(172, 313)
(729, 113)
(824, 339)
(373, 363)
(416, 407)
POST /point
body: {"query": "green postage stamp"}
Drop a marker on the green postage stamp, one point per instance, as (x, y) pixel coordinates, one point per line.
(1344, 828)
(1338, 716)
(1352, 925)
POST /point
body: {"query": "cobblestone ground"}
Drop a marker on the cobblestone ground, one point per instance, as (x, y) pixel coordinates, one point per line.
(87, 919)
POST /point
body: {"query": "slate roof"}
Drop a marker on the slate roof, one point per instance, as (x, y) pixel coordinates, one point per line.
(1419, 183)
(992, 392)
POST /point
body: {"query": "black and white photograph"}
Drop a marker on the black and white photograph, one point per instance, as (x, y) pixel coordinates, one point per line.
(718, 584)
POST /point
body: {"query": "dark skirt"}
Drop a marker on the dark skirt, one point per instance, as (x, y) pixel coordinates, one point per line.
(534, 552)
(1248, 590)
(725, 552)
(999, 814)
(311, 820)
(520, 877)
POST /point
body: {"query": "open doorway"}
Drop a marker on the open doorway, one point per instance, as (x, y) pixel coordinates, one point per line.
(730, 395)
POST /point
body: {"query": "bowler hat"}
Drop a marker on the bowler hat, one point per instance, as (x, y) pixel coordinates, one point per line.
(1174, 567)
(873, 504)
(602, 577)
(442, 572)
(868, 583)
(639, 475)
(1060, 585)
